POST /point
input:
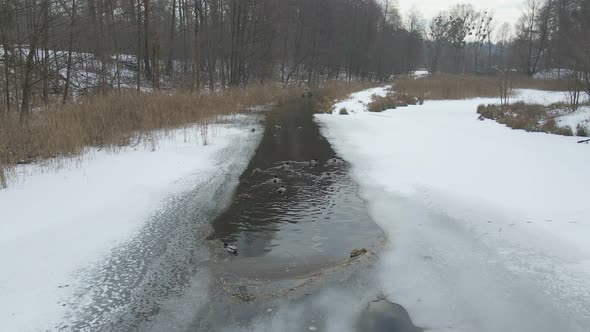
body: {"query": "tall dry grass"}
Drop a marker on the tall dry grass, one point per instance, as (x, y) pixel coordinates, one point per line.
(113, 120)
(117, 119)
(447, 86)
(391, 100)
(2, 177)
(340, 89)
(529, 117)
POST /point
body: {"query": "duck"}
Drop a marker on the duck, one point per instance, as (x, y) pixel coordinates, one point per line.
(276, 179)
(281, 190)
(231, 248)
(313, 162)
(278, 126)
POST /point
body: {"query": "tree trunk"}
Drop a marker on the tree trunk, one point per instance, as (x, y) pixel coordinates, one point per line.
(70, 46)
(138, 55)
(115, 44)
(146, 41)
(156, 63)
(36, 30)
(6, 74)
(45, 71)
(169, 64)
(6, 66)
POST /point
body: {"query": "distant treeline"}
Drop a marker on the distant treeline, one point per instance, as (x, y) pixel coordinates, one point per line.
(196, 44)
(56, 48)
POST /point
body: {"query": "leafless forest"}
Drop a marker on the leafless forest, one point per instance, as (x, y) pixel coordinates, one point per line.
(53, 50)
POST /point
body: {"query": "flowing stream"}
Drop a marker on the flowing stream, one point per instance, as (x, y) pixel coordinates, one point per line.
(295, 218)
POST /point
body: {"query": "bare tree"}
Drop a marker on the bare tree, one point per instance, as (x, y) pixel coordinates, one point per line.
(533, 33)
(36, 29)
(70, 50)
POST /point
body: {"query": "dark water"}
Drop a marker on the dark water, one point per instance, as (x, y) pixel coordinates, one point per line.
(318, 220)
(294, 247)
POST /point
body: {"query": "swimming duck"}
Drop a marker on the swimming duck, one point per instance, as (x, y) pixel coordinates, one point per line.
(231, 248)
(281, 190)
(276, 179)
(278, 126)
(314, 162)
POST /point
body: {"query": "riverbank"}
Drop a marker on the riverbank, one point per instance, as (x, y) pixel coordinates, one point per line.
(487, 226)
(60, 225)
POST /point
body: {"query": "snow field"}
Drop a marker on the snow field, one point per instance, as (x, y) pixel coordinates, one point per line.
(56, 222)
(488, 226)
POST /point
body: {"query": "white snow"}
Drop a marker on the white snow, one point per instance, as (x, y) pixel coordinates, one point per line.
(488, 226)
(57, 222)
(552, 74)
(533, 97)
(358, 101)
(581, 117)
(420, 73)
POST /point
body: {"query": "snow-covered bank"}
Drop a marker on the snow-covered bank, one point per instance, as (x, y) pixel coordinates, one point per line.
(488, 226)
(580, 117)
(358, 101)
(58, 222)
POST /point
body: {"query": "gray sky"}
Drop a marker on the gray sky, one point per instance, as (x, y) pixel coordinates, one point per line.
(504, 10)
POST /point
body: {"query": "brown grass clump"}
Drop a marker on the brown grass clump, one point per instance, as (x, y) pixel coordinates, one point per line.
(581, 131)
(519, 116)
(339, 89)
(2, 178)
(392, 100)
(564, 131)
(447, 86)
(529, 117)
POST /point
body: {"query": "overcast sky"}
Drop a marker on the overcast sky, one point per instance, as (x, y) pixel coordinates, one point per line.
(504, 10)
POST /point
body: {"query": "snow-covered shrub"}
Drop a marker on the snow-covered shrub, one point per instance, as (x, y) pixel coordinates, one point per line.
(392, 100)
(529, 117)
(581, 131)
(564, 131)
(2, 178)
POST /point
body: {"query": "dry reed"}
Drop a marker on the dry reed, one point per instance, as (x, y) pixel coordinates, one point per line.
(113, 120)
(446, 86)
(391, 100)
(120, 119)
(529, 117)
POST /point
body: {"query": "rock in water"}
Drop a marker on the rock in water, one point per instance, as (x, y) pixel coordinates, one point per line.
(357, 252)
(384, 316)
